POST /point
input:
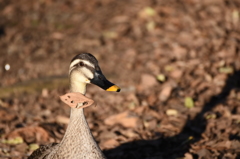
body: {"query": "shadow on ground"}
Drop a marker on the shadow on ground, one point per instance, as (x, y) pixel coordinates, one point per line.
(177, 146)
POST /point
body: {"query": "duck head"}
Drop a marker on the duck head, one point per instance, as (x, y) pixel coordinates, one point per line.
(84, 69)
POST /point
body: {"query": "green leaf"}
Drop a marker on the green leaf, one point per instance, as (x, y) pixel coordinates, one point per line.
(161, 77)
(189, 103)
(227, 70)
(235, 15)
(15, 141)
(149, 11)
(33, 147)
(110, 34)
(211, 116)
(169, 68)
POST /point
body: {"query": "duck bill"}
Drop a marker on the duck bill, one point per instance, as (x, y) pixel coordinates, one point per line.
(100, 80)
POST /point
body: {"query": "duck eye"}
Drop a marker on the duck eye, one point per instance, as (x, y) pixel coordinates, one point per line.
(81, 64)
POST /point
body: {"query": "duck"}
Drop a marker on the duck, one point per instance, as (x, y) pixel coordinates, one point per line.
(78, 141)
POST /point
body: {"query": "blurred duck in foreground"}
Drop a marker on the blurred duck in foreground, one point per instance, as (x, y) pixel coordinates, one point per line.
(78, 142)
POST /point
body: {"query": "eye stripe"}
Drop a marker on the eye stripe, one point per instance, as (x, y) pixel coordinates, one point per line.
(89, 67)
(77, 61)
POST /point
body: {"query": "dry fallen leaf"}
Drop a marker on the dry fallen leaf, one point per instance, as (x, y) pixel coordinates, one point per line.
(109, 144)
(165, 93)
(124, 119)
(176, 74)
(188, 156)
(30, 134)
(147, 81)
(57, 35)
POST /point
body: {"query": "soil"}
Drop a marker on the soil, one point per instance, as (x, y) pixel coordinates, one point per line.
(177, 62)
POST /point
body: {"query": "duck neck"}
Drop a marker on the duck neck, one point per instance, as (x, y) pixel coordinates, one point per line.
(78, 138)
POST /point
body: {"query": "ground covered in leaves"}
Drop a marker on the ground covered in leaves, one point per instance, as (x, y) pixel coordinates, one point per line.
(177, 62)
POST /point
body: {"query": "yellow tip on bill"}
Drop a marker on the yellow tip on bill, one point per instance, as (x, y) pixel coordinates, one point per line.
(114, 88)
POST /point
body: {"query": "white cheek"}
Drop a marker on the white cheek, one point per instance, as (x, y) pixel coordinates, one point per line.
(78, 77)
(87, 73)
(82, 75)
